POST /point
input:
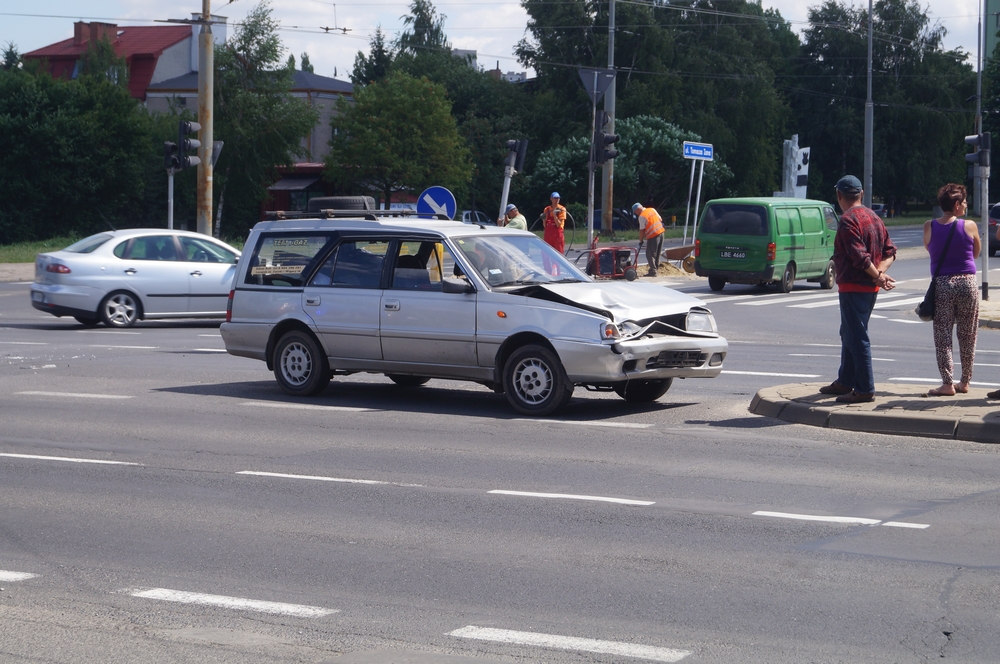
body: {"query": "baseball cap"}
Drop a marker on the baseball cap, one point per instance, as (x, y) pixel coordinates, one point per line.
(636, 207)
(849, 185)
(555, 194)
(511, 207)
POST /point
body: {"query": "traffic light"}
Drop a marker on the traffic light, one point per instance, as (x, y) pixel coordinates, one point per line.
(516, 151)
(603, 144)
(981, 143)
(169, 155)
(184, 160)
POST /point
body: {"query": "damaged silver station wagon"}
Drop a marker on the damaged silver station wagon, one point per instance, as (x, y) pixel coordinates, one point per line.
(332, 293)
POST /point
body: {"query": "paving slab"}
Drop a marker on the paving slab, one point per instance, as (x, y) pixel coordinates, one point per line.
(17, 271)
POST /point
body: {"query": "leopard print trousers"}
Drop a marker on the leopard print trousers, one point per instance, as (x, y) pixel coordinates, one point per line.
(956, 302)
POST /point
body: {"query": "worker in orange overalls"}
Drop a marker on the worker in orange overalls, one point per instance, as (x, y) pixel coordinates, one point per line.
(555, 221)
(650, 232)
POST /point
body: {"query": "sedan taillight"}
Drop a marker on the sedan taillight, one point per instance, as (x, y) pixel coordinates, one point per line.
(229, 307)
(57, 267)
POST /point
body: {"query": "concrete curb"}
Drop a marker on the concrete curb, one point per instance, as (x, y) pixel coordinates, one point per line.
(17, 271)
(899, 410)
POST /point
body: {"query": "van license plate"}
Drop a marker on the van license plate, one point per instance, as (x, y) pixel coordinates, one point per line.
(728, 253)
(37, 297)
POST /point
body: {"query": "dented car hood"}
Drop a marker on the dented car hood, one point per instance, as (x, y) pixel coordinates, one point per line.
(624, 300)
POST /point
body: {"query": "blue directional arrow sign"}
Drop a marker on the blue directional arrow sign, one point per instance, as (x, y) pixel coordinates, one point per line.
(437, 200)
(702, 151)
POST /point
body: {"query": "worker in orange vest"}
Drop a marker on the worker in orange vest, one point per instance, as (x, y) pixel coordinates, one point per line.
(555, 221)
(650, 232)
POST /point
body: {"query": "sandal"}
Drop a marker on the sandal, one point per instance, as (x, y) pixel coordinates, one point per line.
(936, 392)
(962, 388)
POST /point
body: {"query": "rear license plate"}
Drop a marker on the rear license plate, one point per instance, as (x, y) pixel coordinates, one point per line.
(37, 297)
(733, 253)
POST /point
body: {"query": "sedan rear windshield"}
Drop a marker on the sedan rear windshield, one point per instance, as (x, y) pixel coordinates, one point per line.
(735, 219)
(88, 244)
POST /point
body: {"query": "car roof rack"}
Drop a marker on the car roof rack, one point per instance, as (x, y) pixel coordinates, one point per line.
(368, 215)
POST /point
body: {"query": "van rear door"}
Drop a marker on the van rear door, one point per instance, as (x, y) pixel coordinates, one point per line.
(734, 237)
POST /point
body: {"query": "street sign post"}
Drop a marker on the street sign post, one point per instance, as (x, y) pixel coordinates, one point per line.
(695, 152)
(437, 200)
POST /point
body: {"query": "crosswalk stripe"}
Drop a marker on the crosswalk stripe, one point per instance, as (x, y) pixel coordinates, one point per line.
(555, 641)
(899, 303)
(833, 303)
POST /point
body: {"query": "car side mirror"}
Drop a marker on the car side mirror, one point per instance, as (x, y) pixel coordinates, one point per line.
(453, 285)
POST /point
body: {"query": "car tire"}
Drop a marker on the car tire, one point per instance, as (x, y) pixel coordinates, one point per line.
(716, 283)
(787, 279)
(643, 391)
(87, 321)
(300, 365)
(120, 309)
(535, 382)
(829, 276)
(407, 381)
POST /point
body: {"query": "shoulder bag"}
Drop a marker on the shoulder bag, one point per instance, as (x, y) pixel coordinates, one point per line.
(925, 310)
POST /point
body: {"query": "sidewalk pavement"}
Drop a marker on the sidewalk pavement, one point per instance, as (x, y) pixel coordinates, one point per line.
(17, 271)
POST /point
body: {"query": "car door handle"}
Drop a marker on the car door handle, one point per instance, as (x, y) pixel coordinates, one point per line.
(313, 301)
(196, 273)
(130, 271)
(391, 305)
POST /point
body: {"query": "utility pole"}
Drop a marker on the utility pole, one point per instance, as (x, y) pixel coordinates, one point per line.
(983, 192)
(869, 118)
(206, 71)
(608, 181)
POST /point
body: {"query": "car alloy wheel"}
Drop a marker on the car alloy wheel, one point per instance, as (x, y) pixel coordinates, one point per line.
(119, 310)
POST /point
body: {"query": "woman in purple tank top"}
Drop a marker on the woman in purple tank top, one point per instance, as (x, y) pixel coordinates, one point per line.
(956, 299)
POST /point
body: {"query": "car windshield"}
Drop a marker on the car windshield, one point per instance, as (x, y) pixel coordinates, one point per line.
(517, 260)
(88, 244)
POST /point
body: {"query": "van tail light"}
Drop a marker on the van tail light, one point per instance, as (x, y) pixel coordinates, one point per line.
(772, 251)
(57, 267)
(229, 307)
(697, 248)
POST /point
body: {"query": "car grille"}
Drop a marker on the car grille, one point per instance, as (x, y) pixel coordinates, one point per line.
(673, 359)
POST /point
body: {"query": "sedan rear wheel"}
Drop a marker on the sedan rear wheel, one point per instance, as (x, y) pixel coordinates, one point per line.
(300, 366)
(534, 381)
(119, 309)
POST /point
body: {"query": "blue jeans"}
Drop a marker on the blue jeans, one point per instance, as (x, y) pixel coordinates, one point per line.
(855, 348)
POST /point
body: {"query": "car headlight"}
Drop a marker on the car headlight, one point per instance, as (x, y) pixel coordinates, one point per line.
(629, 328)
(700, 321)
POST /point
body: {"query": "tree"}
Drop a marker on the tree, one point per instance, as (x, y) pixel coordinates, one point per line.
(99, 61)
(424, 31)
(374, 66)
(256, 117)
(306, 65)
(11, 58)
(398, 136)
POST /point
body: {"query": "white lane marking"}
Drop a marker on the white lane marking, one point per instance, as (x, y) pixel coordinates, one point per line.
(902, 379)
(238, 603)
(614, 425)
(824, 345)
(876, 316)
(310, 477)
(831, 303)
(124, 347)
(983, 364)
(636, 650)
(210, 335)
(570, 496)
(799, 298)
(813, 517)
(875, 359)
(25, 343)
(73, 459)
(899, 303)
(76, 395)
(712, 300)
(903, 524)
(306, 406)
(773, 375)
(104, 332)
(210, 350)
(902, 320)
(15, 576)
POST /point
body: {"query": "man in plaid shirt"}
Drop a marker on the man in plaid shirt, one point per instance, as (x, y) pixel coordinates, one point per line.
(862, 252)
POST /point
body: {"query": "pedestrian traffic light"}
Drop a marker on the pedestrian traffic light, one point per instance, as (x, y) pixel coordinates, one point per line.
(516, 149)
(603, 144)
(981, 143)
(169, 155)
(184, 160)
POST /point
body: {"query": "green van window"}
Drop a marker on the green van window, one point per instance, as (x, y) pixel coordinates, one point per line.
(788, 221)
(734, 219)
(812, 220)
(831, 218)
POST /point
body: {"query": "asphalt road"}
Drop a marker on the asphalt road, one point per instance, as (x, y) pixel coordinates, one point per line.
(216, 520)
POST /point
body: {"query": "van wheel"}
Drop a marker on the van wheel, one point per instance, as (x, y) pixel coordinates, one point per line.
(534, 381)
(787, 279)
(716, 283)
(300, 365)
(407, 381)
(829, 277)
(643, 391)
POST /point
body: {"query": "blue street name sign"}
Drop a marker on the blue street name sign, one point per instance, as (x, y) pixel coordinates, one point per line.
(701, 151)
(437, 200)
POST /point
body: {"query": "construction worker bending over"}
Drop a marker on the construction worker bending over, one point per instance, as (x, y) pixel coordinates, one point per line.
(555, 221)
(650, 232)
(514, 219)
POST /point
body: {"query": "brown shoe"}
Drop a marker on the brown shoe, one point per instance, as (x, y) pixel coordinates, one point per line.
(835, 388)
(856, 397)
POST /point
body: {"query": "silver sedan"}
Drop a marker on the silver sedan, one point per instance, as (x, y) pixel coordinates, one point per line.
(120, 277)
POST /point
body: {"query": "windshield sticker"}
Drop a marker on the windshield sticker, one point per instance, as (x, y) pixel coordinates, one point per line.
(496, 271)
(276, 269)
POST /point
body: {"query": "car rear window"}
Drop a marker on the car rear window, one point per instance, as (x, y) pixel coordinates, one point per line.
(284, 260)
(88, 244)
(734, 219)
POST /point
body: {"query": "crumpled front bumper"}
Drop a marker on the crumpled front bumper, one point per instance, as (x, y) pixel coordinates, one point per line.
(648, 358)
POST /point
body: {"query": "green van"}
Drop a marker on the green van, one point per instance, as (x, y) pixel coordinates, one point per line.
(764, 241)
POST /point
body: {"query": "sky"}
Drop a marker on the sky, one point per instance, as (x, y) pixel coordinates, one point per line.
(491, 27)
